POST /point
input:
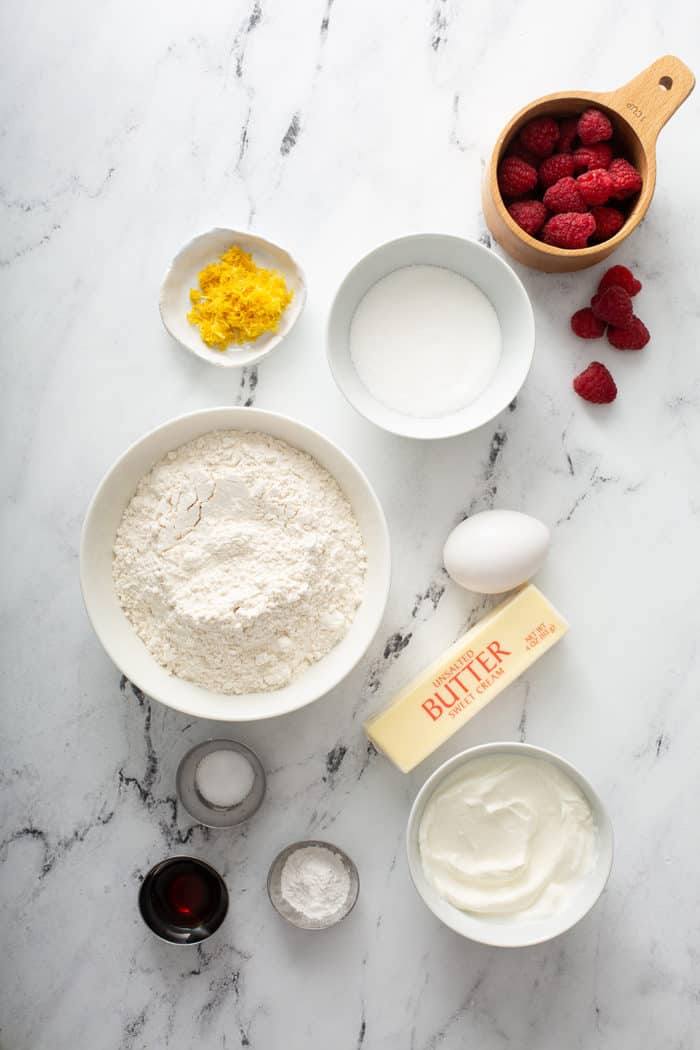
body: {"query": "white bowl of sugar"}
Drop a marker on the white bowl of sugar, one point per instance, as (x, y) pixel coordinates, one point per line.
(430, 336)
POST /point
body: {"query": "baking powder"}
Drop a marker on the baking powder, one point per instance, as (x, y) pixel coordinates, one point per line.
(315, 882)
(239, 562)
(425, 341)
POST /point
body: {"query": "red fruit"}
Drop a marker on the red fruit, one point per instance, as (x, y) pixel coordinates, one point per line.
(564, 196)
(626, 179)
(586, 325)
(596, 384)
(595, 186)
(613, 306)
(556, 167)
(607, 222)
(540, 136)
(634, 337)
(516, 149)
(567, 134)
(516, 177)
(599, 155)
(529, 215)
(593, 126)
(570, 230)
(619, 275)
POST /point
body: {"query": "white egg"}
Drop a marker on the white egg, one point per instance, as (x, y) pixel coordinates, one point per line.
(496, 550)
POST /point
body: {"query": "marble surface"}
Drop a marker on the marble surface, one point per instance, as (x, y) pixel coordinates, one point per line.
(332, 126)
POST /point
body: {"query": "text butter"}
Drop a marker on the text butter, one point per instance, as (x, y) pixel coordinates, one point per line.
(466, 677)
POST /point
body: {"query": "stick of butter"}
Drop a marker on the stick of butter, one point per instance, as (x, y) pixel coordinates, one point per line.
(473, 671)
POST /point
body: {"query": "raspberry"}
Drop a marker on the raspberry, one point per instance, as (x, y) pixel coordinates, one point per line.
(596, 384)
(556, 167)
(540, 136)
(599, 155)
(626, 179)
(569, 230)
(613, 306)
(593, 126)
(586, 325)
(595, 186)
(529, 215)
(564, 196)
(634, 337)
(607, 222)
(516, 177)
(619, 275)
(567, 134)
(516, 149)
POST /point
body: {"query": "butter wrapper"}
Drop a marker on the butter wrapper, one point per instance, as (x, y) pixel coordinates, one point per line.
(471, 673)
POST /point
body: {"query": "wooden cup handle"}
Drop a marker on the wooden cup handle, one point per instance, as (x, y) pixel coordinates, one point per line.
(652, 97)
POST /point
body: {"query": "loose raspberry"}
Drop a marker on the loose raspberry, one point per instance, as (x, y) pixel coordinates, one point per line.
(607, 222)
(570, 230)
(529, 215)
(586, 325)
(599, 155)
(634, 337)
(593, 126)
(556, 167)
(613, 306)
(568, 130)
(596, 384)
(619, 275)
(595, 186)
(626, 179)
(540, 136)
(515, 177)
(564, 196)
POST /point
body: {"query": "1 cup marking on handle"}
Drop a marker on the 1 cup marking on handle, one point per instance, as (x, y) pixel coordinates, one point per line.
(636, 111)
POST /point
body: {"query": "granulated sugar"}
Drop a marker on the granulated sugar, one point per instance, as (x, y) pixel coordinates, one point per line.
(425, 341)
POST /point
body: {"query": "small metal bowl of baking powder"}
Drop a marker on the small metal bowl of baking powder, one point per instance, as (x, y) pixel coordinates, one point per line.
(290, 913)
(198, 806)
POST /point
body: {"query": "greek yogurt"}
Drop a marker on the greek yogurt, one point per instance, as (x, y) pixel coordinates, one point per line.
(508, 835)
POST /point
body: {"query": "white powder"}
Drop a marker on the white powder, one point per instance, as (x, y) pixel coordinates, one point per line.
(224, 778)
(425, 341)
(239, 562)
(315, 882)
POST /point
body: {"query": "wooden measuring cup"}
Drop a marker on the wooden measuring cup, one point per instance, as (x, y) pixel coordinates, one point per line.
(638, 112)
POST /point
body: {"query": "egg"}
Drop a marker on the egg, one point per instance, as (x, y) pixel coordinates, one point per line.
(496, 550)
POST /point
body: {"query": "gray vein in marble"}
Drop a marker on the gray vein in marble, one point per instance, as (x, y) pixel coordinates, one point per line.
(595, 482)
(439, 24)
(291, 135)
(247, 386)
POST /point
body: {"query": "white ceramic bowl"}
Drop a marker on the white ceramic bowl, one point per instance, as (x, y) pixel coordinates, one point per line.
(182, 275)
(503, 931)
(498, 282)
(116, 633)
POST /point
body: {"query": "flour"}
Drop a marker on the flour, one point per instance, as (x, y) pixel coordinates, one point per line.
(315, 882)
(239, 562)
(425, 341)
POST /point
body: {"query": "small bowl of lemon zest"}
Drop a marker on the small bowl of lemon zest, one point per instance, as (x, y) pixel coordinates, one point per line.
(231, 297)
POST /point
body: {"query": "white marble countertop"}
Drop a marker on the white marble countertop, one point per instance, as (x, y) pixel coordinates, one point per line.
(333, 126)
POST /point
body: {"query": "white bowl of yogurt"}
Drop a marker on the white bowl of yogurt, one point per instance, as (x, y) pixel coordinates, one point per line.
(430, 336)
(509, 845)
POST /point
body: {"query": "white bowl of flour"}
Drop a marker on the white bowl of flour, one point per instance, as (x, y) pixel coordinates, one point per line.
(430, 336)
(235, 564)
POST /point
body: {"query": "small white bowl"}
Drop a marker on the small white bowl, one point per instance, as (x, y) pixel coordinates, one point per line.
(489, 273)
(506, 932)
(118, 636)
(183, 274)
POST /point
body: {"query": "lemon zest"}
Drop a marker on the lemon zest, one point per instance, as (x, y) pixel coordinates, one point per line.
(237, 301)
